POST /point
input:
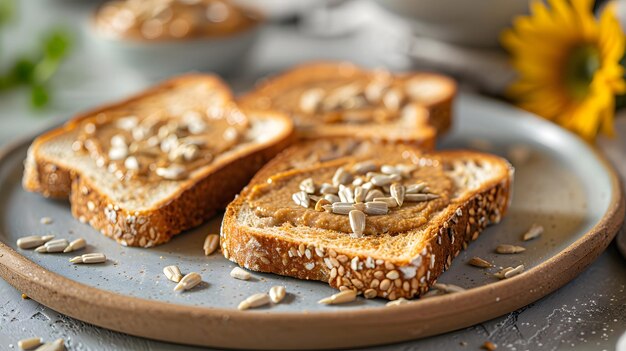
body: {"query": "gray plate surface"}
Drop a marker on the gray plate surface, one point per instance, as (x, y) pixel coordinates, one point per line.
(562, 186)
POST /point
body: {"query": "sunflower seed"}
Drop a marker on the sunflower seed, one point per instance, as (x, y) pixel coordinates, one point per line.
(390, 201)
(357, 222)
(301, 199)
(415, 188)
(398, 192)
(370, 293)
(513, 272)
(189, 281)
(255, 300)
(381, 180)
(211, 243)
(376, 208)
(76, 245)
(240, 274)
(45, 220)
(277, 293)
(509, 249)
(364, 167)
(173, 273)
(420, 197)
(173, 172)
(57, 245)
(328, 189)
(535, 231)
(57, 345)
(358, 181)
(359, 194)
(342, 208)
(389, 169)
(372, 194)
(398, 302)
(89, 258)
(501, 274)
(339, 298)
(346, 194)
(448, 288)
(310, 100)
(405, 170)
(332, 198)
(341, 177)
(30, 343)
(33, 241)
(307, 186)
(479, 262)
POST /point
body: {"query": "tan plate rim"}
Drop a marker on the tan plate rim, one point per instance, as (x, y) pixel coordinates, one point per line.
(219, 327)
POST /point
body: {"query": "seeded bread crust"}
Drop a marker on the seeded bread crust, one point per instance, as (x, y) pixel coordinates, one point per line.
(439, 111)
(190, 206)
(391, 278)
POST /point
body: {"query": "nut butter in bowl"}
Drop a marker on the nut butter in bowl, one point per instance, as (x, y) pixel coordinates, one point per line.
(163, 37)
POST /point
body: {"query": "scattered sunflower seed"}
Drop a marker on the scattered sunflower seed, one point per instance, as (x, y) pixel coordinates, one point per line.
(89, 258)
(57, 345)
(30, 343)
(501, 273)
(173, 273)
(189, 281)
(359, 194)
(33, 241)
(255, 300)
(415, 188)
(479, 262)
(373, 194)
(76, 245)
(339, 298)
(398, 192)
(390, 201)
(509, 249)
(341, 177)
(240, 274)
(364, 167)
(277, 293)
(319, 205)
(513, 272)
(346, 194)
(301, 199)
(328, 189)
(448, 288)
(332, 198)
(534, 232)
(398, 302)
(211, 243)
(307, 186)
(376, 208)
(46, 220)
(342, 208)
(56, 245)
(381, 180)
(357, 222)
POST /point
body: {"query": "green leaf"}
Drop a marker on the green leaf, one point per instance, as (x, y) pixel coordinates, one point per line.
(57, 44)
(22, 71)
(39, 96)
(7, 8)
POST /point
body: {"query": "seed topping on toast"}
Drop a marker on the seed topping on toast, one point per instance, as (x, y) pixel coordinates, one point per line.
(164, 145)
(368, 197)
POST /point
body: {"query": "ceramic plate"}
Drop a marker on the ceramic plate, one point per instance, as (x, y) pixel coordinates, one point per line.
(560, 183)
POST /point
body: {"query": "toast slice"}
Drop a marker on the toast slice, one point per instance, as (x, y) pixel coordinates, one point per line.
(392, 240)
(147, 168)
(338, 99)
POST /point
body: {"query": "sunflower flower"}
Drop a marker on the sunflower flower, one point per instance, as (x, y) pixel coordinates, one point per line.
(568, 64)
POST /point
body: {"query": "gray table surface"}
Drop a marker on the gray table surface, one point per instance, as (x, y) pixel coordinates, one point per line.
(589, 313)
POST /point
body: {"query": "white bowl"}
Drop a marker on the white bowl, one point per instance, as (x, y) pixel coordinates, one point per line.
(465, 22)
(159, 59)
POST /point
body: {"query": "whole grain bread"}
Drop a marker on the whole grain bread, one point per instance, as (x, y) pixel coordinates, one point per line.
(423, 111)
(136, 212)
(386, 265)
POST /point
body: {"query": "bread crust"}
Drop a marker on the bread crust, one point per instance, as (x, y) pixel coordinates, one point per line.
(196, 201)
(439, 111)
(259, 251)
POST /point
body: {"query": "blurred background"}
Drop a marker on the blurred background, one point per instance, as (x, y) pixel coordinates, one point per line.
(60, 57)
